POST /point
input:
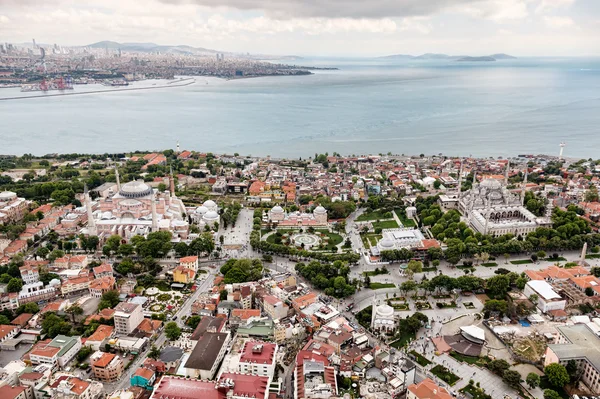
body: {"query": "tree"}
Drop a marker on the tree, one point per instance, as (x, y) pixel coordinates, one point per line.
(408, 286)
(109, 299)
(154, 353)
(589, 291)
(512, 378)
(57, 253)
(126, 250)
(193, 321)
(557, 375)
(83, 353)
(14, 285)
(532, 380)
(415, 266)
(551, 394)
(172, 331)
(30, 307)
(74, 311)
(498, 286)
(42, 252)
(223, 295)
(498, 366)
(4, 320)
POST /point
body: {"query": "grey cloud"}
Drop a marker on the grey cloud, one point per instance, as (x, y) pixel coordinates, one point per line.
(335, 8)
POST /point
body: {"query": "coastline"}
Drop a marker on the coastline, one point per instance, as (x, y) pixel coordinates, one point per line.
(168, 85)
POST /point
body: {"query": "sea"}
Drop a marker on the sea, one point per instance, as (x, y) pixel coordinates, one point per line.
(366, 106)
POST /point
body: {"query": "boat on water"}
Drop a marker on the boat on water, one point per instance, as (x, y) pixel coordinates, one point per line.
(115, 83)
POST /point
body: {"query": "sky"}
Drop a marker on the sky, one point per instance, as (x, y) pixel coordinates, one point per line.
(316, 27)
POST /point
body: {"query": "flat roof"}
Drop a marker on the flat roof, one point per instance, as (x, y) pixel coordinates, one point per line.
(206, 351)
(544, 289)
(582, 343)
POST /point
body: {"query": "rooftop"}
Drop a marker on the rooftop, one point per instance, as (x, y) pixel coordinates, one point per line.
(206, 351)
(582, 343)
(170, 387)
(258, 352)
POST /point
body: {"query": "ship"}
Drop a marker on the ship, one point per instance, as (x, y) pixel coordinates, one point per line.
(115, 82)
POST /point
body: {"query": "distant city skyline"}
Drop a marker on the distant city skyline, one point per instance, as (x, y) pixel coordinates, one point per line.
(309, 27)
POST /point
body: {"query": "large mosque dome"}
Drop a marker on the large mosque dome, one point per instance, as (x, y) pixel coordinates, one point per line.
(135, 189)
(491, 184)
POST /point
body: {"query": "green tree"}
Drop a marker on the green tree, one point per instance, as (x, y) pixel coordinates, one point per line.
(4, 320)
(83, 353)
(551, 394)
(498, 286)
(30, 307)
(498, 366)
(57, 253)
(193, 321)
(172, 331)
(126, 250)
(154, 353)
(557, 375)
(532, 380)
(109, 299)
(512, 378)
(74, 311)
(14, 285)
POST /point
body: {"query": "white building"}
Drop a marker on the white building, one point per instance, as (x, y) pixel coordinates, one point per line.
(258, 358)
(59, 352)
(548, 299)
(382, 317)
(127, 317)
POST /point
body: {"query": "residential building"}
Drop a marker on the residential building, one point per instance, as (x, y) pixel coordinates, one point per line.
(8, 331)
(98, 338)
(107, 367)
(76, 285)
(76, 388)
(102, 285)
(143, 377)
(127, 317)
(580, 343)
(36, 292)
(427, 389)
(258, 358)
(57, 353)
(16, 392)
(103, 270)
(29, 274)
(547, 298)
(274, 307)
(206, 356)
(183, 275)
(190, 262)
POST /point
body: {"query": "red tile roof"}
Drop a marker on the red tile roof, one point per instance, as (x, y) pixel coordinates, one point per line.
(181, 388)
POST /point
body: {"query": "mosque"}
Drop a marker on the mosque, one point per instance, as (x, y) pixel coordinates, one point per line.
(490, 208)
(206, 214)
(279, 217)
(137, 209)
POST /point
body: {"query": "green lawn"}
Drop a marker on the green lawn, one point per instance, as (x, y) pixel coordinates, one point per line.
(377, 286)
(593, 256)
(521, 262)
(402, 341)
(385, 224)
(334, 238)
(489, 264)
(445, 375)
(405, 221)
(560, 258)
(422, 360)
(464, 358)
(372, 216)
(373, 273)
(374, 239)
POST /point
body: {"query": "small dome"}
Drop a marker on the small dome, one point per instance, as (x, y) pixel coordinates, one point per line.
(54, 282)
(386, 243)
(7, 195)
(385, 311)
(210, 204)
(210, 215)
(277, 209)
(491, 184)
(201, 210)
(135, 189)
(107, 215)
(320, 209)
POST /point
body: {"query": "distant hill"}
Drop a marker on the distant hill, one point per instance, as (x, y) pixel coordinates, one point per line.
(479, 59)
(151, 48)
(446, 57)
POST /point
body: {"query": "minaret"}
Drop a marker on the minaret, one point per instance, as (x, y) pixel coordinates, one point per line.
(474, 178)
(178, 151)
(524, 186)
(90, 215)
(460, 178)
(583, 252)
(373, 310)
(172, 183)
(506, 173)
(118, 179)
(154, 217)
(487, 216)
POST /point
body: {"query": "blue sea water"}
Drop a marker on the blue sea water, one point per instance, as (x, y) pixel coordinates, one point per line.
(504, 108)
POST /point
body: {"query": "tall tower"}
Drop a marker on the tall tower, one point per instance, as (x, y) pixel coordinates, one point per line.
(524, 186)
(172, 183)
(373, 310)
(506, 173)
(487, 215)
(560, 154)
(583, 252)
(90, 215)
(154, 216)
(178, 150)
(474, 178)
(118, 179)
(460, 178)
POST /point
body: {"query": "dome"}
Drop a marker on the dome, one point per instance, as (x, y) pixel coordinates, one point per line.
(210, 204)
(201, 210)
(320, 209)
(210, 215)
(7, 195)
(107, 215)
(491, 184)
(386, 243)
(135, 189)
(277, 209)
(54, 282)
(385, 311)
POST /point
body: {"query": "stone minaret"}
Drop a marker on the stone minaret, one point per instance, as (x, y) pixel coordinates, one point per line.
(154, 217)
(583, 252)
(460, 178)
(506, 173)
(118, 179)
(487, 215)
(90, 215)
(172, 183)
(373, 310)
(474, 178)
(524, 186)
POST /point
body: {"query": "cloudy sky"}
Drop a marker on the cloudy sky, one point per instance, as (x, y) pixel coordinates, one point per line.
(316, 27)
